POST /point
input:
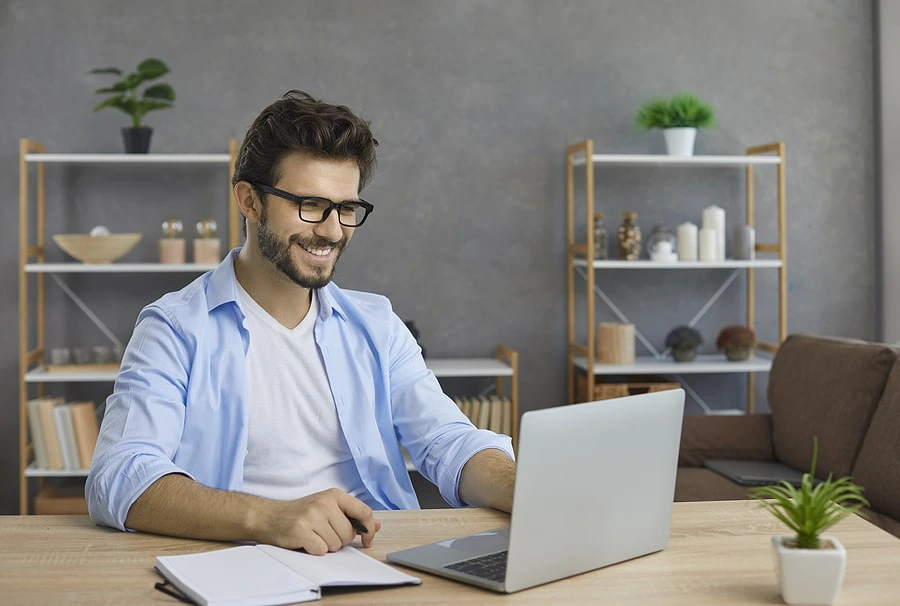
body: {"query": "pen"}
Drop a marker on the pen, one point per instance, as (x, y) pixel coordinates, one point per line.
(358, 526)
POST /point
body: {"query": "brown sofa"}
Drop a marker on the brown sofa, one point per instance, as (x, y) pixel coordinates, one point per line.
(846, 392)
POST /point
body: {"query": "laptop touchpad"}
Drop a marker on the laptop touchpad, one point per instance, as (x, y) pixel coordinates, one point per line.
(481, 543)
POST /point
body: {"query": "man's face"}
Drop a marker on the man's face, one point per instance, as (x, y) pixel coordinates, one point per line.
(306, 253)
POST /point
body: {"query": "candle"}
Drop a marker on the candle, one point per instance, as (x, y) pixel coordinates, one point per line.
(714, 218)
(744, 246)
(687, 242)
(708, 244)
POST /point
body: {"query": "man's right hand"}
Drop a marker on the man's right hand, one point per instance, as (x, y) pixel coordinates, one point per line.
(318, 523)
(178, 506)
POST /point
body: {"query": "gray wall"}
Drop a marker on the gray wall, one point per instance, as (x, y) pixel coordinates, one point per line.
(888, 134)
(474, 103)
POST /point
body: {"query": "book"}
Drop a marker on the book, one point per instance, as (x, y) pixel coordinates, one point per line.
(66, 435)
(265, 575)
(37, 436)
(48, 430)
(87, 430)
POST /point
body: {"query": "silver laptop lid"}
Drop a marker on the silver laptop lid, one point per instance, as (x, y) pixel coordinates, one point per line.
(600, 469)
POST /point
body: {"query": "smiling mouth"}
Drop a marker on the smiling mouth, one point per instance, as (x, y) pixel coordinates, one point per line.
(317, 251)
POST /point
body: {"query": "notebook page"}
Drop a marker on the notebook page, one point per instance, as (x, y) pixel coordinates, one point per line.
(348, 566)
(236, 575)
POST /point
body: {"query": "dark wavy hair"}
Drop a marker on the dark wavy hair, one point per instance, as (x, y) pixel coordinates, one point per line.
(298, 122)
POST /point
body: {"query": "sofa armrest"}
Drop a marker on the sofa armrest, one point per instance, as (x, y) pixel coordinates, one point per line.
(746, 437)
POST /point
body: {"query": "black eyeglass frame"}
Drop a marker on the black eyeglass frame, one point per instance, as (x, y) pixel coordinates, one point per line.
(368, 207)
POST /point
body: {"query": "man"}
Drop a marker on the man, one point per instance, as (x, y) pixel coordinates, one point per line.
(262, 402)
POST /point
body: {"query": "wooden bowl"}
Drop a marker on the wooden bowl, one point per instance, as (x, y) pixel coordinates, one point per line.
(96, 249)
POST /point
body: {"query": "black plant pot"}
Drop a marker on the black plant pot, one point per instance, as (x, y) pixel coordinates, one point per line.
(137, 140)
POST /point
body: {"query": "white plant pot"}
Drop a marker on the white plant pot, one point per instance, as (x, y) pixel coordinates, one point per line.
(680, 141)
(809, 576)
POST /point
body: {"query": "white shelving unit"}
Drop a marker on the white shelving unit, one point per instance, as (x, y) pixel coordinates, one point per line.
(33, 375)
(581, 355)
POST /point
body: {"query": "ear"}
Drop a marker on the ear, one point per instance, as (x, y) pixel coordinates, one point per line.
(248, 202)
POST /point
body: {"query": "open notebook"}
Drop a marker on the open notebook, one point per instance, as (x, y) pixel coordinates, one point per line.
(264, 575)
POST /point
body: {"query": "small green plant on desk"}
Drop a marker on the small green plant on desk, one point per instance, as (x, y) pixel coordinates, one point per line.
(811, 509)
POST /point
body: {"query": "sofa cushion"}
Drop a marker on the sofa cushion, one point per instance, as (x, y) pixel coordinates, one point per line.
(701, 484)
(877, 467)
(744, 437)
(826, 387)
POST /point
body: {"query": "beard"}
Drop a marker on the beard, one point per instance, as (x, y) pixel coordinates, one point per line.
(278, 252)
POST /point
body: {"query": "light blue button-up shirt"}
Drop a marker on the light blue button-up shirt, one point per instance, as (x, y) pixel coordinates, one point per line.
(180, 402)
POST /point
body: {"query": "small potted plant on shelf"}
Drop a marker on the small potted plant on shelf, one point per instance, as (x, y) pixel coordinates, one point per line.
(737, 342)
(810, 565)
(679, 117)
(684, 341)
(124, 97)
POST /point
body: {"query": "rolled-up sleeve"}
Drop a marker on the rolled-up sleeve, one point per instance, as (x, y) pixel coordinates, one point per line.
(438, 436)
(143, 421)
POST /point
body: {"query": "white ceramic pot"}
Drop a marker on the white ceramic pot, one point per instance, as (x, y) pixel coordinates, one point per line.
(680, 141)
(809, 576)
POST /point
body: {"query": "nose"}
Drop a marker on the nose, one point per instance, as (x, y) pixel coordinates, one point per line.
(330, 228)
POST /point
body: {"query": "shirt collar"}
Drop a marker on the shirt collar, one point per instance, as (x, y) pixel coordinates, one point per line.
(222, 288)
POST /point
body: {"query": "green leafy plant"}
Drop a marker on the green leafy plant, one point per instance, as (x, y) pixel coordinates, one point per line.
(810, 510)
(683, 338)
(735, 337)
(679, 111)
(125, 92)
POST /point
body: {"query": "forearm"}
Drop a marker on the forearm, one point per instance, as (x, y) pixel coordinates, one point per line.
(176, 505)
(488, 479)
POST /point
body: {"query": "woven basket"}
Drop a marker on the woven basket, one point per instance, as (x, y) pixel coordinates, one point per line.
(96, 249)
(605, 391)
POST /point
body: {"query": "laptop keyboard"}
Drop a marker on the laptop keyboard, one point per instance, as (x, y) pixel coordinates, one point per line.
(491, 566)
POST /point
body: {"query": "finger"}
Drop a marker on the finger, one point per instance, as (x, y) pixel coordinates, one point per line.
(354, 508)
(369, 537)
(332, 539)
(314, 544)
(341, 527)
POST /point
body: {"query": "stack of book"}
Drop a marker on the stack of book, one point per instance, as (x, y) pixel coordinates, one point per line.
(63, 434)
(488, 412)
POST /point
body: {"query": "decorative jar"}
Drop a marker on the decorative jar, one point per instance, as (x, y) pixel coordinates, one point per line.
(629, 237)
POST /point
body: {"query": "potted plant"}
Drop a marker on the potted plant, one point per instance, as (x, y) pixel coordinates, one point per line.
(810, 565)
(737, 342)
(683, 341)
(125, 98)
(679, 117)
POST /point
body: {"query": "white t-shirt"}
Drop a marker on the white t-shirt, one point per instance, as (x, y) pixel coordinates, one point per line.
(295, 445)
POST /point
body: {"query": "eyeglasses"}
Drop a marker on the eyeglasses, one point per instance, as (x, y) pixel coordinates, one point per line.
(313, 209)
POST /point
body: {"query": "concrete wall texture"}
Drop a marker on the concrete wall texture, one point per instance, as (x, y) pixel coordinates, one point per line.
(474, 103)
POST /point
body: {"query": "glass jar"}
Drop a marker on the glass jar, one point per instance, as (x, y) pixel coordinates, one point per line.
(629, 237)
(661, 243)
(600, 244)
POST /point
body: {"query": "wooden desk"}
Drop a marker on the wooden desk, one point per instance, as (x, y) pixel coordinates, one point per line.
(719, 553)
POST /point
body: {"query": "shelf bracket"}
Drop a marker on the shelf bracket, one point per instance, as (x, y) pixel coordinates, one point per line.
(87, 311)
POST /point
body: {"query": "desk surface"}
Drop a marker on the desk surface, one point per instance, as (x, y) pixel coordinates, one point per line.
(719, 553)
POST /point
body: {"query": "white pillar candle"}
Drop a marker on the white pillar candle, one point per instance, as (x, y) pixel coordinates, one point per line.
(708, 244)
(687, 242)
(714, 218)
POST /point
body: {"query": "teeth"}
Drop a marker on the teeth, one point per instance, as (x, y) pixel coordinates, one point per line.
(319, 252)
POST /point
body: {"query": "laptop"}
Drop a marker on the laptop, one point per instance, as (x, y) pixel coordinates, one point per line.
(755, 473)
(595, 484)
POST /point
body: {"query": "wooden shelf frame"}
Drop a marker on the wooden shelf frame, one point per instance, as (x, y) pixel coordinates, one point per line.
(577, 255)
(32, 261)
